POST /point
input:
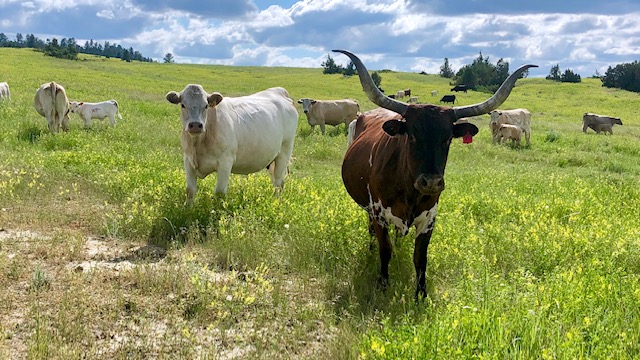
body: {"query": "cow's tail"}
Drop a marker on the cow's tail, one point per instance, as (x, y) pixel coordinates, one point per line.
(117, 108)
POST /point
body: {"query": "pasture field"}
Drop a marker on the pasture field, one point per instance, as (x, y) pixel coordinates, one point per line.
(535, 253)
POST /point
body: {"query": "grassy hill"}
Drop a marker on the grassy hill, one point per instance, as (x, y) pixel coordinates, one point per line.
(535, 253)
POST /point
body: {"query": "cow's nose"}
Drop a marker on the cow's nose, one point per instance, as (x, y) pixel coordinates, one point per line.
(429, 185)
(195, 127)
(306, 111)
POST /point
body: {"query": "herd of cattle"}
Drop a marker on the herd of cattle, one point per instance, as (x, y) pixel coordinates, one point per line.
(394, 165)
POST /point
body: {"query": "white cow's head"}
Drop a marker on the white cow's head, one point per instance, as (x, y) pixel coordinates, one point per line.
(306, 104)
(194, 102)
(73, 106)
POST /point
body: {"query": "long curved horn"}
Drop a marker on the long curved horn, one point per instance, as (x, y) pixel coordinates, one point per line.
(375, 95)
(496, 100)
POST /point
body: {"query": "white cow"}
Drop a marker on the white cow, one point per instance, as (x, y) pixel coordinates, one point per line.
(329, 112)
(51, 102)
(508, 131)
(434, 92)
(100, 111)
(520, 117)
(4, 91)
(240, 135)
(413, 100)
(400, 94)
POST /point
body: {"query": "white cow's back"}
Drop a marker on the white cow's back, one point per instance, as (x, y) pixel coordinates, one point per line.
(255, 126)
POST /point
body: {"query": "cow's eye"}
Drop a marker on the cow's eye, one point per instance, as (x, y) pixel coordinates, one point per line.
(182, 106)
(206, 107)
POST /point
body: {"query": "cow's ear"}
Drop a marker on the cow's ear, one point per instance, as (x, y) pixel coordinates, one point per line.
(313, 102)
(394, 127)
(80, 103)
(300, 101)
(214, 99)
(173, 97)
(463, 129)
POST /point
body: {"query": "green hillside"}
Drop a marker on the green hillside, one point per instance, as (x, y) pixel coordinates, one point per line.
(535, 254)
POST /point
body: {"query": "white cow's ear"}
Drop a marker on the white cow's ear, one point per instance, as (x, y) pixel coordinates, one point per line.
(214, 99)
(173, 97)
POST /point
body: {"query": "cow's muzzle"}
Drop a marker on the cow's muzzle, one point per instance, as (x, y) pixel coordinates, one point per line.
(429, 184)
(306, 111)
(195, 127)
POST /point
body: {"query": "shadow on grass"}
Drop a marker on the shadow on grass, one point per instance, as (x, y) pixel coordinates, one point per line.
(181, 223)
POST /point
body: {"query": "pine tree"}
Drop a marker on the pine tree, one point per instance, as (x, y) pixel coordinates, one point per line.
(445, 70)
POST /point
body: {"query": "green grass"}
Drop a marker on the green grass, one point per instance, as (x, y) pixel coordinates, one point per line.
(536, 251)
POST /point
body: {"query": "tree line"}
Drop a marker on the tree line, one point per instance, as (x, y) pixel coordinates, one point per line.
(67, 48)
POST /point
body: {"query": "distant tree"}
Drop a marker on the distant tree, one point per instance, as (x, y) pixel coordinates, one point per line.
(445, 70)
(68, 49)
(623, 76)
(126, 56)
(350, 69)
(570, 76)
(502, 72)
(482, 75)
(330, 66)
(377, 79)
(168, 58)
(567, 76)
(554, 73)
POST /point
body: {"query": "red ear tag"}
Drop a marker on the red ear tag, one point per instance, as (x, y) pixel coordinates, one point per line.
(467, 138)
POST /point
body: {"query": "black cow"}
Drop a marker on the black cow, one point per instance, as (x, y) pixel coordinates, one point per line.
(407, 92)
(448, 99)
(460, 88)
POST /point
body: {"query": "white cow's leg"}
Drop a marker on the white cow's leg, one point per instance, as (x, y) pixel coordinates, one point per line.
(192, 181)
(282, 165)
(527, 135)
(224, 173)
(51, 121)
(112, 117)
(64, 120)
(322, 127)
(87, 121)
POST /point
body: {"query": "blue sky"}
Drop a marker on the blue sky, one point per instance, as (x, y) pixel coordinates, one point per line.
(405, 35)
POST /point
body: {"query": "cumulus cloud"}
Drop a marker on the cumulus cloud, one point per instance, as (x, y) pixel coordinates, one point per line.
(407, 35)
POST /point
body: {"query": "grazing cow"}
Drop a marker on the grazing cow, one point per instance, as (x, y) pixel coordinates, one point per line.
(448, 99)
(460, 88)
(329, 112)
(399, 94)
(4, 91)
(100, 111)
(51, 102)
(394, 168)
(413, 100)
(434, 92)
(599, 123)
(520, 117)
(240, 135)
(381, 89)
(508, 131)
(392, 96)
(407, 92)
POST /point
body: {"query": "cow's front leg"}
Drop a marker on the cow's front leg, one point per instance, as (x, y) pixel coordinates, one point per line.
(420, 263)
(322, 127)
(224, 173)
(192, 181)
(385, 251)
